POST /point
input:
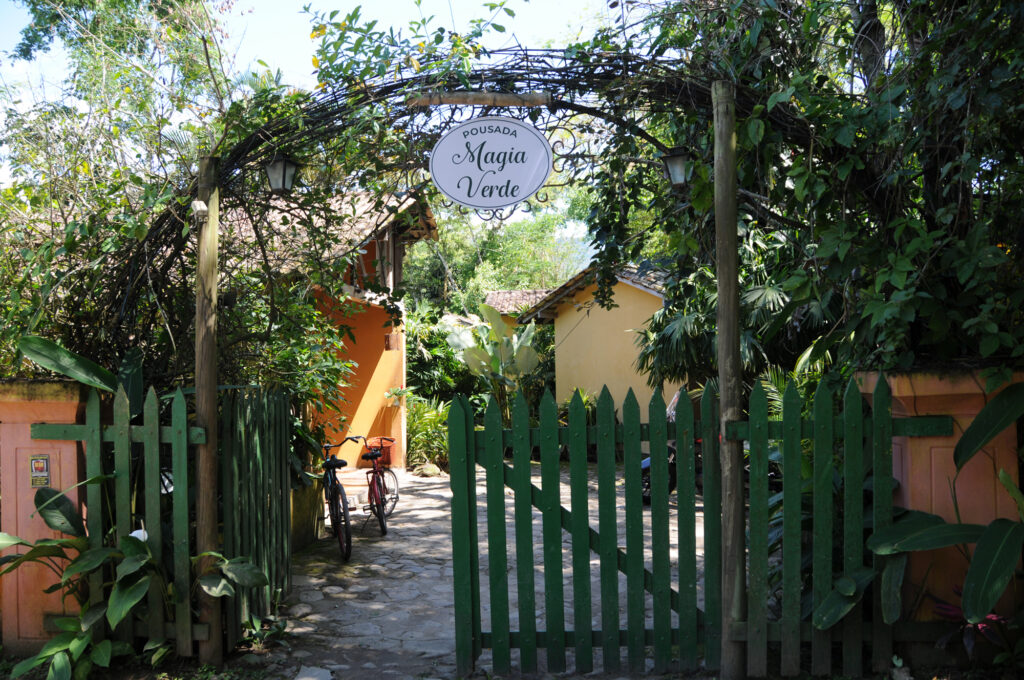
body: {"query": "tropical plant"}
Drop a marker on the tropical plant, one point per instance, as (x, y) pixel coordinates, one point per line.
(498, 353)
(999, 544)
(433, 368)
(127, 568)
(427, 432)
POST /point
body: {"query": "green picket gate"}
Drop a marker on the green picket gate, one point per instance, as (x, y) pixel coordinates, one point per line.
(141, 473)
(659, 617)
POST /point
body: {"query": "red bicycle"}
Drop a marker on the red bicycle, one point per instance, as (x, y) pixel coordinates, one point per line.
(381, 481)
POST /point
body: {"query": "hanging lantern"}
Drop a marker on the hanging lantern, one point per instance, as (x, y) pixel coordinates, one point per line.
(675, 166)
(281, 174)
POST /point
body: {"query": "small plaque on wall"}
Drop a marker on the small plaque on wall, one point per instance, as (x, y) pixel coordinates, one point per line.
(39, 469)
(393, 341)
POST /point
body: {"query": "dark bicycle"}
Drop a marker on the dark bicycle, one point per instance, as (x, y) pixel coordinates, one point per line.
(337, 501)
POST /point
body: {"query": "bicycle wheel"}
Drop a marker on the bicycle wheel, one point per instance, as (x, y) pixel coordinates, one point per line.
(340, 520)
(390, 480)
(376, 492)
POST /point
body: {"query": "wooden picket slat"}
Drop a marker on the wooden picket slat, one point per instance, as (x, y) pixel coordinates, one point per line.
(686, 527)
(551, 532)
(660, 562)
(853, 520)
(791, 552)
(579, 497)
(123, 520)
(93, 437)
(757, 603)
(180, 518)
(712, 470)
(122, 466)
(634, 534)
(824, 468)
(607, 522)
(458, 464)
(881, 450)
(523, 514)
(230, 484)
(154, 520)
(497, 561)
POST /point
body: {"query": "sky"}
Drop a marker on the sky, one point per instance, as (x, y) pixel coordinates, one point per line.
(277, 31)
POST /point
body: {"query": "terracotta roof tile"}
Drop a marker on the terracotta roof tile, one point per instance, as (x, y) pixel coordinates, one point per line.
(513, 301)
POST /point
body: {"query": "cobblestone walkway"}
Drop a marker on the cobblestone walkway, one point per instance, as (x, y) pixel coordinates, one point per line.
(389, 612)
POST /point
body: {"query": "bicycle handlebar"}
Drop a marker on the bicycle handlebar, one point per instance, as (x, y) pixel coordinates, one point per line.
(357, 437)
(353, 438)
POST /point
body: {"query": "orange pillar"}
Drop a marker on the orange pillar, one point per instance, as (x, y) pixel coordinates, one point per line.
(26, 465)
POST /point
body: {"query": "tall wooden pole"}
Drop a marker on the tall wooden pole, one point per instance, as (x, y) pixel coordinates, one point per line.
(211, 651)
(730, 385)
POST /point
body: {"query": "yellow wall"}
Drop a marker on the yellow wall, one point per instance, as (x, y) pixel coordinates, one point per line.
(595, 347)
(367, 411)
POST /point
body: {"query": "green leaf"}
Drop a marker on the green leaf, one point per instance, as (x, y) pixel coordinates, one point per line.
(130, 565)
(100, 654)
(60, 667)
(216, 585)
(123, 598)
(79, 645)
(245, 574)
(836, 605)
(527, 360)
(87, 561)
(884, 540)
(780, 97)
(941, 536)
(892, 586)
(755, 130)
(133, 547)
(28, 664)
(129, 376)
(68, 624)
(93, 615)
(998, 414)
(52, 356)
(35, 554)
(846, 586)
(58, 643)
(991, 567)
(6, 541)
(59, 512)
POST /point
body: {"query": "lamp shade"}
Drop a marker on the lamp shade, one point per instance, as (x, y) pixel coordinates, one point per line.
(281, 174)
(675, 166)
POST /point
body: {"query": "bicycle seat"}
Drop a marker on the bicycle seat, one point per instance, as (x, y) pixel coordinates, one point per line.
(372, 455)
(333, 463)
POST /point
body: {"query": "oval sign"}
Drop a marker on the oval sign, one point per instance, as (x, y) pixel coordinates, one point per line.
(491, 162)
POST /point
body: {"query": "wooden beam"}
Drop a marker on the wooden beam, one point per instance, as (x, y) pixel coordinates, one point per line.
(211, 651)
(467, 98)
(730, 383)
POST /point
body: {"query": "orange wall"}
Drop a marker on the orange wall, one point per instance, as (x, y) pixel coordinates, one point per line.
(595, 347)
(367, 411)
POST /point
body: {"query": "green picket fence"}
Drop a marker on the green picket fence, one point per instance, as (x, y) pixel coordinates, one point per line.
(860, 440)
(148, 466)
(256, 475)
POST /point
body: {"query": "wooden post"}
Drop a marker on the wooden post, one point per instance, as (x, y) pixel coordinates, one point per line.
(729, 379)
(211, 651)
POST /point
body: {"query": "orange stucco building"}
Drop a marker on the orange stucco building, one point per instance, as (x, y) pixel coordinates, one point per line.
(378, 346)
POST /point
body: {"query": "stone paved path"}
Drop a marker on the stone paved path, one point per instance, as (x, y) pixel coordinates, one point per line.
(389, 611)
